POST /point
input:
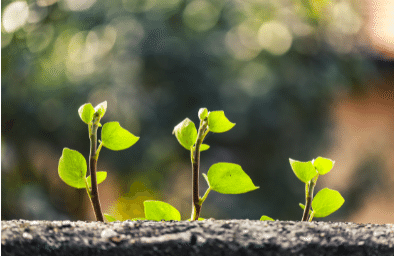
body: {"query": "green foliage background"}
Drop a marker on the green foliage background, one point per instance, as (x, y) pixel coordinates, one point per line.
(157, 62)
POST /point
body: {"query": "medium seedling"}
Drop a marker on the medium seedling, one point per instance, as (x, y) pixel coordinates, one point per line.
(225, 178)
(72, 165)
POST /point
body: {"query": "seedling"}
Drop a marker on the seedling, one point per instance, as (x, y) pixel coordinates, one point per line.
(225, 178)
(72, 165)
(326, 200)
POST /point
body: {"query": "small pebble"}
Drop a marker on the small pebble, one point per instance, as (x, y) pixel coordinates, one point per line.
(27, 235)
(107, 233)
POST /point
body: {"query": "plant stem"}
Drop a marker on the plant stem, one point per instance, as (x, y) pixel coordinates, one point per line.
(202, 132)
(94, 195)
(308, 197)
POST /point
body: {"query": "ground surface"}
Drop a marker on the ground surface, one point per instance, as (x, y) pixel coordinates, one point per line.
(210, 237)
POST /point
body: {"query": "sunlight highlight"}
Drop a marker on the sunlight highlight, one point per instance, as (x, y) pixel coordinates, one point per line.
(275, 37)
(15, 16)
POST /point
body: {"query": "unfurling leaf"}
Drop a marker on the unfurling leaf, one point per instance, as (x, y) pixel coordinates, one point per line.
(101, 109)
(202, 113)
(186, 133)
(86, 112)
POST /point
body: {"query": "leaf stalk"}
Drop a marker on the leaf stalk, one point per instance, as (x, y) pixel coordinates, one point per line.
(202, 199)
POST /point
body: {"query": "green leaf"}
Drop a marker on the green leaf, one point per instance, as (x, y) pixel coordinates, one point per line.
(206, 178)
(265, 217)
(101, 176)
(86, 112)
(326, 202)
(218, 122)
(135, 219)
(186, 133)
(228, 178)
(101, 108)
(323, 165)
(109, 217)
(157, 210)
(204, 147)
(202, 113)
(303, 208)
(72, 168)
(304, 171)
(115, 137)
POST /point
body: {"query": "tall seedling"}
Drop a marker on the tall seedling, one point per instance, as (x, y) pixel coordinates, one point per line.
(72, 165)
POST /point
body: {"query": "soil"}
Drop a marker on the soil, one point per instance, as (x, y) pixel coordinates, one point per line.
(209, 237)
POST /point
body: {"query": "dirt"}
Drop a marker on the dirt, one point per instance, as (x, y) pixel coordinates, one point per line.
(209, 237)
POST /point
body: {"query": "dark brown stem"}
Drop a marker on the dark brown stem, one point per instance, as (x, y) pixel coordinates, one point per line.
(94, 194)
(196, 198)
(308, 197)
(308, 204)
(195, 168)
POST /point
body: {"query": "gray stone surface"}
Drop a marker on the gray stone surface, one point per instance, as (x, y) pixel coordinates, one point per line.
(209, 237)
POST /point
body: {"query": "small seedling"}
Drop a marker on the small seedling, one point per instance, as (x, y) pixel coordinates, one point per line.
(225, 178)
(326, 200)
(72, 165)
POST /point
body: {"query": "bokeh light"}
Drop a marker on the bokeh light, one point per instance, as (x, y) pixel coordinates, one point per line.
(275, 37)
(15, 16)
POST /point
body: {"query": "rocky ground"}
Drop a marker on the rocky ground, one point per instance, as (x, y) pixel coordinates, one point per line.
(209, 237)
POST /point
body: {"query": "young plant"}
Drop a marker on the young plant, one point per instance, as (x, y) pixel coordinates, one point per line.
(326, 200)
(72, 165)
(225, 178)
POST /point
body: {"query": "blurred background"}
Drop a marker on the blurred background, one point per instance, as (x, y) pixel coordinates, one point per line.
(300, 78)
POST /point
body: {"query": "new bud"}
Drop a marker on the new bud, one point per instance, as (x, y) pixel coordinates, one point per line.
(202, 113)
